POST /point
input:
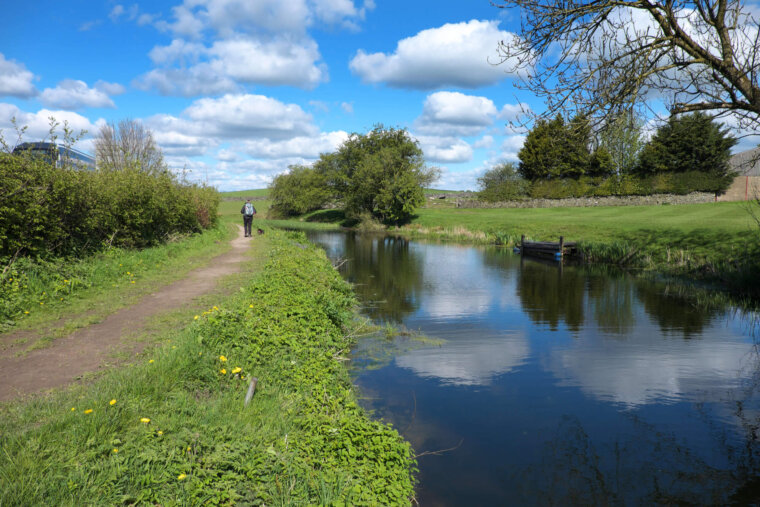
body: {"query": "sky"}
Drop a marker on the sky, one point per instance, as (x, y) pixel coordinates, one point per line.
(235, 91)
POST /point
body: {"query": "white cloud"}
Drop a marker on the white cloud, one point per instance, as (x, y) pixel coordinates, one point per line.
(451, 55)
(511, 146)
(445, 149)
(458, 180)
(15, 79)
(109, 88)
(348, 107)
(73, 94)
(279, 62)
(202, 70)
(455, 114)
(197, 80)
(305, 147)
(244, 115)
(39, 123)
(484, 142)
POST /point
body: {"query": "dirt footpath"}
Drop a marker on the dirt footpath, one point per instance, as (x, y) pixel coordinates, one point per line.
(87, 349)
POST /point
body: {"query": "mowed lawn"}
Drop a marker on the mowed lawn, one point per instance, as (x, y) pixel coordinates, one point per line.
(726, 226)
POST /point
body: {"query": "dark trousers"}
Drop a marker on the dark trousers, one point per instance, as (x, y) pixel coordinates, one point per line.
(247, 221)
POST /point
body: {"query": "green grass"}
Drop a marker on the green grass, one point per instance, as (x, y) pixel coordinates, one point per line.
(69, 294)
(303, 439)
(244, 194)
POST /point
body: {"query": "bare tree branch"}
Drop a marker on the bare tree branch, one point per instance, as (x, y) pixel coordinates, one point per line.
(601, 57)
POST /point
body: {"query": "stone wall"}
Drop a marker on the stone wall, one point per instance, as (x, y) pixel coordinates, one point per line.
(632, 200)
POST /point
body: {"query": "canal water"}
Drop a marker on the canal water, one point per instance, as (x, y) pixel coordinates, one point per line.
(520, 383)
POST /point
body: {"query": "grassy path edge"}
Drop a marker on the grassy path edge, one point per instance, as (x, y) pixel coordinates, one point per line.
(172, 429)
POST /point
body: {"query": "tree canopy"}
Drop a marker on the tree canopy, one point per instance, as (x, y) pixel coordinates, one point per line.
(382, 173)
(692, 142)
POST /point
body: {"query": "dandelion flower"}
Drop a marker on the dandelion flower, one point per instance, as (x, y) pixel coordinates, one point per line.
(200, 353)
(26, 312)
(236, 369)
(88, 411)
(112, 402)
(181, 477)
(160, 433)
(73, 409)
(145, 420)
(115, 450)
(133, 281)
(222, 359)
(152, 360)
(196, 317)
(250, 306)
(223, 371)
(189, 448)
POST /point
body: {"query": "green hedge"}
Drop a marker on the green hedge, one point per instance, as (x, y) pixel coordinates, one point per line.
(49, 212)
(672, 183)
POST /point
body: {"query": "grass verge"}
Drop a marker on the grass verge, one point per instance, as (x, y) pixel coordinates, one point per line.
(172, 429)
(70, 294)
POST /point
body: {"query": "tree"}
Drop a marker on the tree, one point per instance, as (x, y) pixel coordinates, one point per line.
(300, 190)
(555, 149)
(382, 172)
(502, 183)
(603, 56)
(623, 140)
(128, 144)
(693, 142)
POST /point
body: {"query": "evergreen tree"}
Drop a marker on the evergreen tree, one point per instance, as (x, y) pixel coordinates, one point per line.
(556, 149)
(693, 142)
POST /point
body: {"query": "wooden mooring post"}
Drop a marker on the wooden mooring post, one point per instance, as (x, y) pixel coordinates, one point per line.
(547, 249)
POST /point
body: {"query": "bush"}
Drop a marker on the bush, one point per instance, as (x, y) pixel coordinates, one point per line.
(299, 191)
(48, 212)
(502, 183)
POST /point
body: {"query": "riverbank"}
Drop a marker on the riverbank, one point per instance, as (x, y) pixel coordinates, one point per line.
(172, 427)
(717, 243)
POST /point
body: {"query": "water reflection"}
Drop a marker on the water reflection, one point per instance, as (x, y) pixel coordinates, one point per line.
(563, 386)
(385, 272)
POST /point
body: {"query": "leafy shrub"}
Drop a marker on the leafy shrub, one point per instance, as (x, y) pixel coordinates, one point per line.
(502, 183)
(298, 191)
(50, 212)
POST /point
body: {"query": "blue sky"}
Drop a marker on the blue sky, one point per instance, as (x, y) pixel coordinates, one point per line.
(235, 91)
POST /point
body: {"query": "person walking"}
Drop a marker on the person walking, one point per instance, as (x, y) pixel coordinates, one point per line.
(248, 211)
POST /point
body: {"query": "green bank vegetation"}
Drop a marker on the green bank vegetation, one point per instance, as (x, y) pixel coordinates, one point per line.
(64, 230)
(173, 429)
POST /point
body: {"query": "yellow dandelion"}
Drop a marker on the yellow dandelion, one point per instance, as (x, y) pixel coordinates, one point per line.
(133, 281)
(145, 420)
(200, 353)
(189, 448)
(242, 377)
(181, 477)
(88, 411)
(112, 402)
(222, 359)
(152, 360)
(196, 317)
(223, 371)
(236, 369)
(160, 433)
(250, 306)
(26, 312)
(174, 346)
(216, 307)
(115, 450)
(73, 409)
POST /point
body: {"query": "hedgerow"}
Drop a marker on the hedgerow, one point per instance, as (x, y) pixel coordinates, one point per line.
(178, 431)
(48, 212)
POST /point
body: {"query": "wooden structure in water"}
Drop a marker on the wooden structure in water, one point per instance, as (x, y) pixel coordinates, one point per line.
(547, 249)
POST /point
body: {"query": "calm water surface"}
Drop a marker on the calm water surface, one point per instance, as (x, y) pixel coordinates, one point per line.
(544, 386)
